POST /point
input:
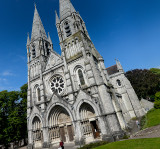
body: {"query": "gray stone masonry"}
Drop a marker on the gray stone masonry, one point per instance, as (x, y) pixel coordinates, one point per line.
(72, 96)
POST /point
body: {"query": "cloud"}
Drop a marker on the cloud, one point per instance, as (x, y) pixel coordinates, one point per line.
(22, 58)
(3, 79)
(7, 73)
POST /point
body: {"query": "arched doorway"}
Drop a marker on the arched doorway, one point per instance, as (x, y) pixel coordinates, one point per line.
(37, 132)
(60, 125)
(89, 122)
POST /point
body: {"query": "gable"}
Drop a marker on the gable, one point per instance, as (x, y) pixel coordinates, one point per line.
(53, 60)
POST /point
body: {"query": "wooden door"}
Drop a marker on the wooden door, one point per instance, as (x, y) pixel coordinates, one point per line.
(95, 129)
(70, 133)
(62, 134)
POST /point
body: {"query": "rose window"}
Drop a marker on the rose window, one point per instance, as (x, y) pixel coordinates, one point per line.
(57, 84)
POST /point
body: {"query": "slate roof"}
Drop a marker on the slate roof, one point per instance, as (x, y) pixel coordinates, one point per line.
(112, 70)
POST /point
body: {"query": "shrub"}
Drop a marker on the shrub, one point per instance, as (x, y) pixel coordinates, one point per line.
(125, 137)
(143, 121)
(93, 145)
(157, 104)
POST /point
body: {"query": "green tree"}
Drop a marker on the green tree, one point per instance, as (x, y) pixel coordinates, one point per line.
(157, 101)
(13, 113)
(144, 82)
(3, 116)
(23, 111)
(155, 71)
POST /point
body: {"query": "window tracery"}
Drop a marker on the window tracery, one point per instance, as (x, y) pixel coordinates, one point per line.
(57, 84)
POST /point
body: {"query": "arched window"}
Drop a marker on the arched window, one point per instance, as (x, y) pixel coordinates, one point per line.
(38, 94)
(67, 29)
(81, 77)
(119, 82)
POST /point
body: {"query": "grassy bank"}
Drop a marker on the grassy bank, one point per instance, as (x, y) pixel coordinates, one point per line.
(151, 143)
(152, 118)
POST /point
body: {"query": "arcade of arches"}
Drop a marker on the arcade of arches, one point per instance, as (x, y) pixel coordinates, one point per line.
(60, 126)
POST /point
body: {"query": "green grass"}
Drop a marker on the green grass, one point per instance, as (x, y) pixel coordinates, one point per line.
(152, 118)
(151, 143)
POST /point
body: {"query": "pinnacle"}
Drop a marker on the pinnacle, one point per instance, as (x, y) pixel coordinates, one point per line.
(57, 18)
(28, 40)
(49, 38)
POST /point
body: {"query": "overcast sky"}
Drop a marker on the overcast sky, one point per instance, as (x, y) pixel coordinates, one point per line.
(128, 30)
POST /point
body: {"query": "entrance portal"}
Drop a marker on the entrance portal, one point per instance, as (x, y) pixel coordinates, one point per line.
(89, 123)
(60, 125)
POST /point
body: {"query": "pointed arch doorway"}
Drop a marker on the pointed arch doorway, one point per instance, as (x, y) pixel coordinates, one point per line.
(89, 122)
(60, 125)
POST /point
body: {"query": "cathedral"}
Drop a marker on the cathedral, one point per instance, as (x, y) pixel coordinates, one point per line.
(73, 97)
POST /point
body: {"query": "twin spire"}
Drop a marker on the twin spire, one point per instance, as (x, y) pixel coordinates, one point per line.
(37, 28)
(66, 8)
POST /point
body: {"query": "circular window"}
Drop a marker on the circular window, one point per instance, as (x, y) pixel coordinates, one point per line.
(57, 85)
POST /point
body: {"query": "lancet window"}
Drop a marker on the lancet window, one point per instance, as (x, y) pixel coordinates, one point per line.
(38, 94)
(81, 77)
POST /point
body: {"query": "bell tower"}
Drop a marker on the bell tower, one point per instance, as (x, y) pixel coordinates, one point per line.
(38, 50)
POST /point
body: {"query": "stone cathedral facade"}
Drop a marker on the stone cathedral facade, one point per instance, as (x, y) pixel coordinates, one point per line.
(73, 97)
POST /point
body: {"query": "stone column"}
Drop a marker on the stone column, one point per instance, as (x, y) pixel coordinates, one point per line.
(46, 143)
(30, 140)
(79, 139)
(105, 131)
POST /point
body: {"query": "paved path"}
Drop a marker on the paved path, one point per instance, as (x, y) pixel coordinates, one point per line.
(66, 146)
(152, 132)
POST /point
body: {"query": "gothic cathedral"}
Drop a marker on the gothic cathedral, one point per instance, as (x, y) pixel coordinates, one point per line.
(73, 97)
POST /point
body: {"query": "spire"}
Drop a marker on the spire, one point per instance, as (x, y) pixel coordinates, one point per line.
(66, 8)
(37, 28)
(57, 18)
(28, 40)
(119, 66)
(49, 38)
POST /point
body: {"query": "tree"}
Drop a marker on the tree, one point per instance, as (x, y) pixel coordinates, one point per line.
(144, 82)
(23, 111)
(13, 113)
(155, 71)
(157, 101)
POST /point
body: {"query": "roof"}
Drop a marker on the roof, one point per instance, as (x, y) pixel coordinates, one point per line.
(112, 70)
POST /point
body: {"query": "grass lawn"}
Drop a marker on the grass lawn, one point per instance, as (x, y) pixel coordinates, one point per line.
(152, 118)
(151, 143)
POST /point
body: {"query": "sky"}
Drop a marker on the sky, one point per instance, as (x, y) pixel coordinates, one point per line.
(127, 30)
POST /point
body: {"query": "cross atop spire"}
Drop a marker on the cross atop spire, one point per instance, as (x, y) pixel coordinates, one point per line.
(37, 28)
(66, 8)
